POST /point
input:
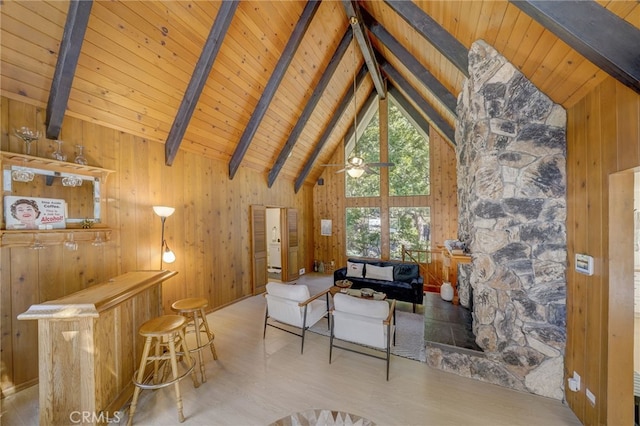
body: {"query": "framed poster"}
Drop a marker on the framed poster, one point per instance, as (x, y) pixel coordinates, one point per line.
(34, 213)
(325, 227)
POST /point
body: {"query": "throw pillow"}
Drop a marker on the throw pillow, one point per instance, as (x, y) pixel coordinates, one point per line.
(354, 269)
(406, 272)
(380, 272)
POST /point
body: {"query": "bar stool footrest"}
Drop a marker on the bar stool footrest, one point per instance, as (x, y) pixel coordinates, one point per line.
(149, 385)
(204, 344)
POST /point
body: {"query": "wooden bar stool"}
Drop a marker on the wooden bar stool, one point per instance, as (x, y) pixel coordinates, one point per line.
(164, 332)
(193, 309)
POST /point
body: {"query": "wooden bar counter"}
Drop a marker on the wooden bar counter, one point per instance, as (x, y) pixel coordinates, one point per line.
(88, 346)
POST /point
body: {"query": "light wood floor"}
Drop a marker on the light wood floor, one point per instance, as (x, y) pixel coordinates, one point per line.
(256, 382)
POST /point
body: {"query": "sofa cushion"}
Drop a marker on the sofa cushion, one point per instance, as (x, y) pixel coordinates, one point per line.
(355, 269)
(405, 271)
(384, 273)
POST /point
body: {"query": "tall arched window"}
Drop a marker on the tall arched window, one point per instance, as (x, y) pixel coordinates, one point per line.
(395, 210)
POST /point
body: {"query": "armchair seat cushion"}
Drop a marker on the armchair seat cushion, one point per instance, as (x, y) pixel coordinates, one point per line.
(284, 301)
(291, 304)
(360, 320)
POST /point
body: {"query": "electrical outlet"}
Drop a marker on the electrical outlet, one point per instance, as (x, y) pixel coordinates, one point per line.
(301, 271)
(574, 382)
(591, 397)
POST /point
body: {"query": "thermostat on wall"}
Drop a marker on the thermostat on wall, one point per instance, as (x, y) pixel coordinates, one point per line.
(584, 264)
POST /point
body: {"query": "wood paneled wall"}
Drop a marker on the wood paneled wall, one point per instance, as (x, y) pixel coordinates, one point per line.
(209, 231)
(603, 137)
(329, 201)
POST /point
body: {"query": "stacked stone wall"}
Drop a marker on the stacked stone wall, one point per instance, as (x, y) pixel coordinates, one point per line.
(511, 151)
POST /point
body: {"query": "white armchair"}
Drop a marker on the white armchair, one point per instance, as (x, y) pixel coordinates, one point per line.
(292, 305)
(363, 321)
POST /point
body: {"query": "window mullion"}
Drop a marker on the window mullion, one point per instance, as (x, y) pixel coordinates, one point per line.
(383, 118)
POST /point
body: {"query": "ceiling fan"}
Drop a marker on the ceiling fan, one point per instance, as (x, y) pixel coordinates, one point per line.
(356, 166)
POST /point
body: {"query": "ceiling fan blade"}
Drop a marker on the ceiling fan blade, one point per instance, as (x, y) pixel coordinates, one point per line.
(380, 164)
(333, 165)
(341, 170)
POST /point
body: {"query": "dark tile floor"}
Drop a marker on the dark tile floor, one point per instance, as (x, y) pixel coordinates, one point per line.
(447, 323)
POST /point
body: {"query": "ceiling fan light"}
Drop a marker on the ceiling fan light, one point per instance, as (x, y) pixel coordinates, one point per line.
(356, 161)
(355, 172)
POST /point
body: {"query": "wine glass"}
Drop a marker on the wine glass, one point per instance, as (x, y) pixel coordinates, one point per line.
(28, 136)
(80, 159)
(70, 243)
(36, 245)
(98, 241)
(58, 154)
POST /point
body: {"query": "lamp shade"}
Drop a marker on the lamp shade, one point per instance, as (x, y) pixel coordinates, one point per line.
(163, 211)
(355, 172)
(168, 256)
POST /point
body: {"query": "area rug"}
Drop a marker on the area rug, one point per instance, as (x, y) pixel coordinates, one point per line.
(409, 326)
(322, 418)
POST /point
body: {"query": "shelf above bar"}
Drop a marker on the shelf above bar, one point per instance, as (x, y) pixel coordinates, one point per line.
(29, 161)
(52, 237)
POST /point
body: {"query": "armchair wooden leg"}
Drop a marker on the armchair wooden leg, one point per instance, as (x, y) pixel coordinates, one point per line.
(266, 315)
(389, 347)
(394, 327)
(304, 328)
(388, 359)
(328, 314)
(331, 342)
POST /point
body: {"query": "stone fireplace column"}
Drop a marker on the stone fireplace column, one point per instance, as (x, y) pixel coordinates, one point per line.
(511, 150)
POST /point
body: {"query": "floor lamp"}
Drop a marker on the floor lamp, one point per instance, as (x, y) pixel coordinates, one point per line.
(166, 254)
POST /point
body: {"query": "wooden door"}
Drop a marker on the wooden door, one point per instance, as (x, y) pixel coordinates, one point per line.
(259, 248)
(620, 341)
(289, 227)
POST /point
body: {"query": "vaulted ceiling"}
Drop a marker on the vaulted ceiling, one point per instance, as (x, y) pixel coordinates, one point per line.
(269, 84)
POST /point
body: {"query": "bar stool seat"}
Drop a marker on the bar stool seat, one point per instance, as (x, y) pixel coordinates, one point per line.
(167, 335)
(192, 309)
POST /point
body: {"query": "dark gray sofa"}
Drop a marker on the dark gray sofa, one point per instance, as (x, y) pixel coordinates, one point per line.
(407, 284)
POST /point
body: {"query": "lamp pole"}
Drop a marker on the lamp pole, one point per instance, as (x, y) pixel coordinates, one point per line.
(162, 218)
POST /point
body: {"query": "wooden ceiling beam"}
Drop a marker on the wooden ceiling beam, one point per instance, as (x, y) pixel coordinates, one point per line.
(433, 115)
(310, 106)
(344, 104)
(270, 89)
(433, 32)
(199, 79)
(355, 19)
(608, 41)
(411, 63)
(70, 45)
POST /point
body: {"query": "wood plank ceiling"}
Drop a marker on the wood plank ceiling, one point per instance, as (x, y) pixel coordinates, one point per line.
(137, 65)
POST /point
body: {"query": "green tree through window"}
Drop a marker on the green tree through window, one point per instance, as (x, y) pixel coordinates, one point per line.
(363, 232)
(409, 227)
(409, 221)
(409, 151)
(368, 147)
